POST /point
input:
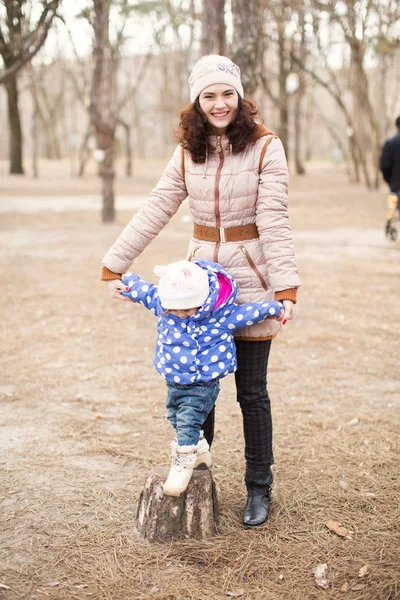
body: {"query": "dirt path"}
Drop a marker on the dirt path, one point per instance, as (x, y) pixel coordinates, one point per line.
(82, 415)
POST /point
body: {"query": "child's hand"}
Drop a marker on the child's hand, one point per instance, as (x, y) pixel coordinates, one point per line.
(115, 287)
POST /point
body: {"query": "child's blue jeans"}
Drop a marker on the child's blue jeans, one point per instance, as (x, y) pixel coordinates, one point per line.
(188, 407)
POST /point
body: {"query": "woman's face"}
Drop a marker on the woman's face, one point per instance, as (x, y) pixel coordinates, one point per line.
(219, 102)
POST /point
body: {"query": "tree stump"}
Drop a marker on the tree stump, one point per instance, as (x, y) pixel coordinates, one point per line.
(194, 514)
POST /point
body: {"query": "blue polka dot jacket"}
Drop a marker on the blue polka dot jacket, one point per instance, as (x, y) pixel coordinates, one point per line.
(199, 348)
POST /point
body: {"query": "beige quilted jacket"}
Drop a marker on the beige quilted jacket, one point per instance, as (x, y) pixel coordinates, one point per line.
(226, 191)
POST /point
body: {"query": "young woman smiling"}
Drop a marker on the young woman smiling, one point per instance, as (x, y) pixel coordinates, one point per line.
(235, 173)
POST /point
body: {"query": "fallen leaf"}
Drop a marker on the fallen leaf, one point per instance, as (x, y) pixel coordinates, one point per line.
(337, 528)
(3, 586)
(235, 594)
(363, 571)
(345, 587)
(321, 576)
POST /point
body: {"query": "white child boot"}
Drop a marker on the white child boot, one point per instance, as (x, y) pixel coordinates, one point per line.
(183, 459)
(204, 457)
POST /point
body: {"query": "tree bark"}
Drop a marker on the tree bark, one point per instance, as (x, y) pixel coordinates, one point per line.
(15, 132)
(194, 514)
(213, 38)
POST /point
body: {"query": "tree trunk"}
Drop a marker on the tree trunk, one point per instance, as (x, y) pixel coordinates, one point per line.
(128, 149)
(34, 132)
(213, 38)
(283, 130)
(15, 132)
(84, 152)
(245, 44)
(194, 514)
(300, 170)
(298, 132)
(107, 175)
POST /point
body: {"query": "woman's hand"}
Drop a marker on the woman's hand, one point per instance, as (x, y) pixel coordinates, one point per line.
(287, 314)
(114, 287)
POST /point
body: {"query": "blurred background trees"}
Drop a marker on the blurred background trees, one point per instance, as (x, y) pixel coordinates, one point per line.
(105, 80)
(21, 37)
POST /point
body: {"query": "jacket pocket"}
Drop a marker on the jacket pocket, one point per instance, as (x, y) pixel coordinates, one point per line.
(253, 267)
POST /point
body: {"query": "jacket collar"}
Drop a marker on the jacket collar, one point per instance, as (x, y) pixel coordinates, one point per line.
(223, 140)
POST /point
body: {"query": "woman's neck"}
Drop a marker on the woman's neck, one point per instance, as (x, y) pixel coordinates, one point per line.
(217, 131)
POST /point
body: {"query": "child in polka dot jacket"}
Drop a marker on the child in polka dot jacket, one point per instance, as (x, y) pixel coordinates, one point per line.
(197, 314)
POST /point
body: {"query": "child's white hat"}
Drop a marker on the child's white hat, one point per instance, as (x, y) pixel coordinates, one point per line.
(183, 285)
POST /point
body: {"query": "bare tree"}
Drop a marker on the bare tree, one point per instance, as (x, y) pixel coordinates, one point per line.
(20, 41)
(358, 23)
(213, 36)
(276, 16)
(246, 44)
(105, 105)
(102, 102)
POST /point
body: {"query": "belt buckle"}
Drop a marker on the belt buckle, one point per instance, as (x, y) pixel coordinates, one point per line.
(221, 232)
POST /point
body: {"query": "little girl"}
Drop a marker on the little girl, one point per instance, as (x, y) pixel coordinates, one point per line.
(197, 314)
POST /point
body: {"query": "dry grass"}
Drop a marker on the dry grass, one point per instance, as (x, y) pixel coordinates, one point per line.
(82, 414)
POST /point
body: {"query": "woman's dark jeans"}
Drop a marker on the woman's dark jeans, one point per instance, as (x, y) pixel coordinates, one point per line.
(252, 395)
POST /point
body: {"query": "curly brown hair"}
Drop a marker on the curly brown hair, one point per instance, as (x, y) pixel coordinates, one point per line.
(193, 129)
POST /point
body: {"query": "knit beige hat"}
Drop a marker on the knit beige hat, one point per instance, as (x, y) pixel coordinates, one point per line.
(211, 69)
(183, 285)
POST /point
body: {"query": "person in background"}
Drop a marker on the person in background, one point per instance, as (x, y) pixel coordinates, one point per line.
(390, 162)
(197, 315)
(235, 173)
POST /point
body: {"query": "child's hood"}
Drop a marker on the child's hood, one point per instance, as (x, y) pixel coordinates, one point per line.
(223, 289)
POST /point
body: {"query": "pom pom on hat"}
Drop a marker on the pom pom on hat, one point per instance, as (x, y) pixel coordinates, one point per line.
(182, 285)
(211, 69)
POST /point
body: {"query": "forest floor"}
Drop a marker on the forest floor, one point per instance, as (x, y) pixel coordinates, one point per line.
(82, 417)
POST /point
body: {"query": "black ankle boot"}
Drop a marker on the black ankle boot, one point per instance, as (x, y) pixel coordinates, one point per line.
(257, 507)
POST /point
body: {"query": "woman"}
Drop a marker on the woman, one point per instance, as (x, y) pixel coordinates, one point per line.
(235, 174)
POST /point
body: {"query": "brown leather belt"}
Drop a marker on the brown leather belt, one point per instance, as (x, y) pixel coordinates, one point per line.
(225, 234)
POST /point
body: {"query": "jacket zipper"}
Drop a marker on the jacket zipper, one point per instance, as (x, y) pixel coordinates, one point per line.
(253, 266)
(216, 201)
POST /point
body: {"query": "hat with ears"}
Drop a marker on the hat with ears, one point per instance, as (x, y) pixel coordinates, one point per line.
(183, 285)
(211, 69)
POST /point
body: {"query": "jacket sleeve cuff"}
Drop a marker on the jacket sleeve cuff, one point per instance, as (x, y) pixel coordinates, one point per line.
(287, 295)
(107, 275)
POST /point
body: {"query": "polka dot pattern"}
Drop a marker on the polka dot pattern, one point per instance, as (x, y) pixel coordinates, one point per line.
(201, 347)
